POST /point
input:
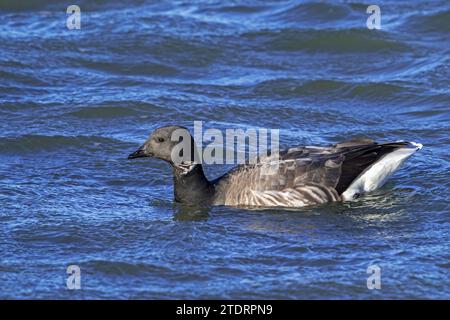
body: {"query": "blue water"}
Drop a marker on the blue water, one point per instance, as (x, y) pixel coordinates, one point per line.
(75, 103)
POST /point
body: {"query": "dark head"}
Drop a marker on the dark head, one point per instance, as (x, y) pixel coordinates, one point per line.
(173, 144)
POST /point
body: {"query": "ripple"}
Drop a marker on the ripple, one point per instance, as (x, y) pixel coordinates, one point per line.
(437, 21)
(131, 68)
(289, 87)
(333, 41)
(104, 112)
(75, 103)
(126, 268)
(120, 268)
(33, 143)
(312, 13)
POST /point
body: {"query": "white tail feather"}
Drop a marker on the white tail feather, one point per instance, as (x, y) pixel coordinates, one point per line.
(376, 175)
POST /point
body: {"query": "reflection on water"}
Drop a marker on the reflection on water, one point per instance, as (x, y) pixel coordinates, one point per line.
(190, 213)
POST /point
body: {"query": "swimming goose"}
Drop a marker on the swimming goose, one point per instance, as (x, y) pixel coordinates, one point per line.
(304, 176)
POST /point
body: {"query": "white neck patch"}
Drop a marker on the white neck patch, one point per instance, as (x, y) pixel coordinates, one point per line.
(185, 167)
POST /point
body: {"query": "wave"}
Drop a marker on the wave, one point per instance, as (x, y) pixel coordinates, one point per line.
(25, 5)
(104, 112)
(339, 41)
(119, 268)
(125, 268)
(31, 5)
(131, 68)
(293, 87)
(434, 22)
(118, 109)
(240, 9)
(22, 78)
(313, 12)
(35, 143)
(49, 236)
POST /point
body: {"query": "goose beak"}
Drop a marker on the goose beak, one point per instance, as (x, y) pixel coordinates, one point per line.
(140, 153)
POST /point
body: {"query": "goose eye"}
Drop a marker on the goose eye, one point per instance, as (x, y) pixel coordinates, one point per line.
(160, 139)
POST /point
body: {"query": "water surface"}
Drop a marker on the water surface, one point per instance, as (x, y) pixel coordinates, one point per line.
(75, 103)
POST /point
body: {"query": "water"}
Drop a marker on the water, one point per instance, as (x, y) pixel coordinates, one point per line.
(75, 103)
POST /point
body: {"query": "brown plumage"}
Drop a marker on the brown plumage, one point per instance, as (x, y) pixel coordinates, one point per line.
(298, 177)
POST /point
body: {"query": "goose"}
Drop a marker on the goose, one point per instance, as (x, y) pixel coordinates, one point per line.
(304, 176)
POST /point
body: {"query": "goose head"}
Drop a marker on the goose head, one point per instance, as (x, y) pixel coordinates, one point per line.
(173, 144)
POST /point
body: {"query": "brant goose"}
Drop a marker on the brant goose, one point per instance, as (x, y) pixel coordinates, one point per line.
(304, 175)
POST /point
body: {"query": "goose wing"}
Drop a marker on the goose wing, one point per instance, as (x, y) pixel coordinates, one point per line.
(297, 177)
(303, 175)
